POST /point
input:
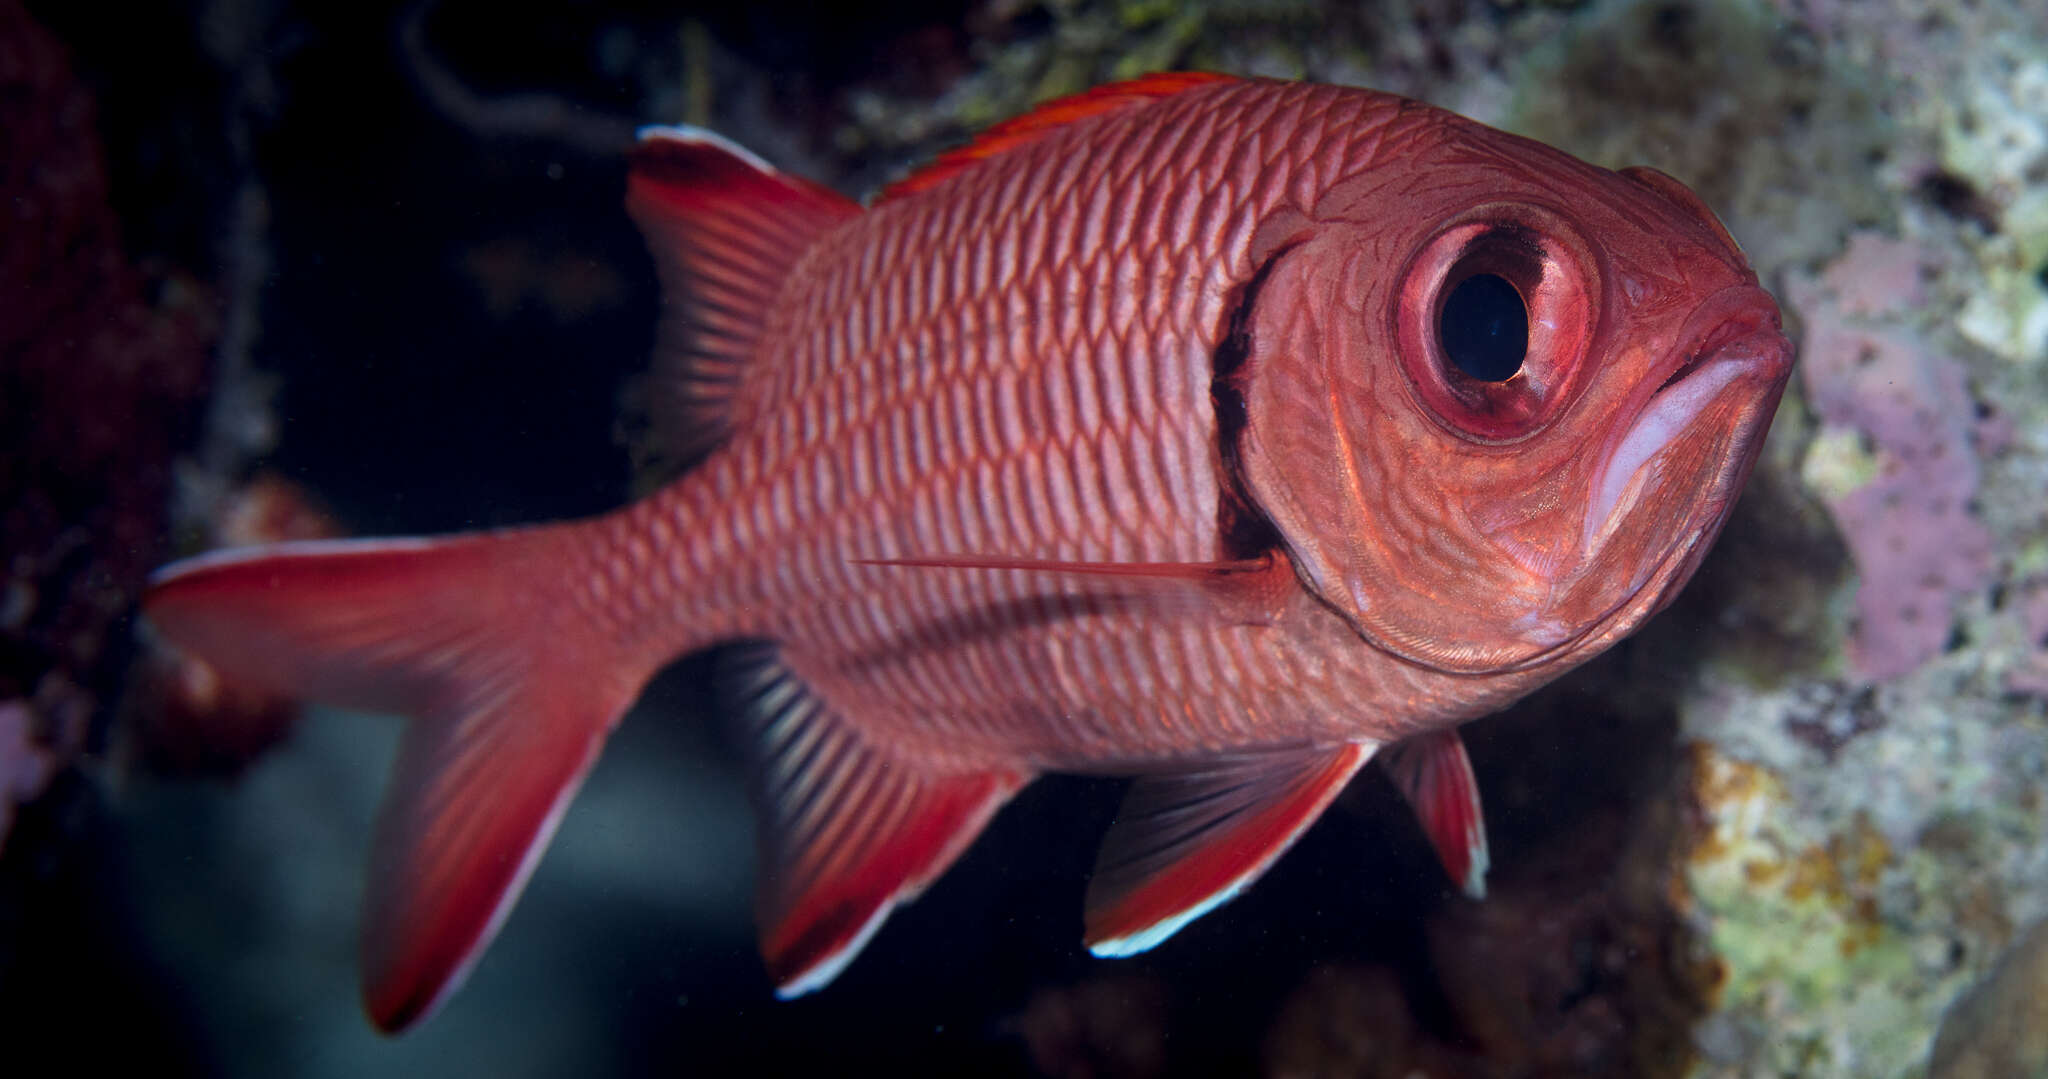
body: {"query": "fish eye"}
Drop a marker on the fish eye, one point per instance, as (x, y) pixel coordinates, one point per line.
(1484, 327)
(1493, 321)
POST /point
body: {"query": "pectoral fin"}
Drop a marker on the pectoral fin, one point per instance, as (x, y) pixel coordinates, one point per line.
(1187, 841)
(1243, 590)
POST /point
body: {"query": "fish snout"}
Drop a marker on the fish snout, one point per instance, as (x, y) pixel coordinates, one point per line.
(1723, 382)
(1735, 319)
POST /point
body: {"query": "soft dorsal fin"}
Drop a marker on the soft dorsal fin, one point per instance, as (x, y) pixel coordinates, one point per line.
(725, 229)
(848, 830)
(1434, 773)
(1051, 116)
(1187, 841)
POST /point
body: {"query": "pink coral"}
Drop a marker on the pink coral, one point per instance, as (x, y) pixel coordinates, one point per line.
(1917, 542)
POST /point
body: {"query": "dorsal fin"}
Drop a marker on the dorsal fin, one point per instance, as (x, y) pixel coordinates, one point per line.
(725, 229)
(1051, 116)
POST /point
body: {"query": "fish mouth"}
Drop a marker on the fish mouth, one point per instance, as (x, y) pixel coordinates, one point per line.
(1734, 373)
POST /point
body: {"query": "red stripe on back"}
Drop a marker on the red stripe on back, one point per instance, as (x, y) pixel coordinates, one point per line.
(1049, 117)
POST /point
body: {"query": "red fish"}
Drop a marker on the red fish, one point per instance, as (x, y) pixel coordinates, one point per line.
(1218, 432)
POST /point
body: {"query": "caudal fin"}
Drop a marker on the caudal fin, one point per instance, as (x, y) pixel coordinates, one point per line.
(512, 683)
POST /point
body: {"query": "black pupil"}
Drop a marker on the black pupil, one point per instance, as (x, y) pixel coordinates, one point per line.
(1484, 328)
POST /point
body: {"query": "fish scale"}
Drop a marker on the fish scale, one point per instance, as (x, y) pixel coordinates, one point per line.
(1124, 440)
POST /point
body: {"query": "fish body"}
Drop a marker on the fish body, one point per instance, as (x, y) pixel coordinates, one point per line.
(1138, 438)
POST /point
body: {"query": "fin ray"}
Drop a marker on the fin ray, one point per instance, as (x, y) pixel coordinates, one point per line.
(1435, 774)
(510, 694)
(848, 829)
(1190, 840)
(725, 230)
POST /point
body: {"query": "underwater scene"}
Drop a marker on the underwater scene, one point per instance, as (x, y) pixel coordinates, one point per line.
(1078, 538)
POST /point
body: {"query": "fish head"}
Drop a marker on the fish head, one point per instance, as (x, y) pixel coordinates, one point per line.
(1498, 402)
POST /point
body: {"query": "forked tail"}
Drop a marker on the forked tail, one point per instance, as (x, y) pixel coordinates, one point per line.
(512, 676)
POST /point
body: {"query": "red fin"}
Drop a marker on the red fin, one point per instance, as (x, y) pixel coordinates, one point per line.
(725, 229)
(848, 831)
(1436, 775)
(1051, 116)
(511, 694)
(1188, 841)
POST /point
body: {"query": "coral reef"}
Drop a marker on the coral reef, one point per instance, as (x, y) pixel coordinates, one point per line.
(2030, 674)
(103, 359)
(2000, 1027)
(100, 364)
(1896, 456)
(1875, 817)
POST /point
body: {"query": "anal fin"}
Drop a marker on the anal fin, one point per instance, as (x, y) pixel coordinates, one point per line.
(848, 830)
(1187, 841)
(1434, 774)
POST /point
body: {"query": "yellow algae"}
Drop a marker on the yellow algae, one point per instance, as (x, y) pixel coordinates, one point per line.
(1794, 918)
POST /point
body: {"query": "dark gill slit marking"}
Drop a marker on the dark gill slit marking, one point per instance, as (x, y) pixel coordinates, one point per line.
(1244, 530)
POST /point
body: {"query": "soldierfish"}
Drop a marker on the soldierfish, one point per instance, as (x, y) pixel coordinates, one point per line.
(1219, 432)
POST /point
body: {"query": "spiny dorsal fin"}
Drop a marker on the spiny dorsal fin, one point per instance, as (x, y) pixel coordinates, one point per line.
(1187, 841)
(1051, 116)
(725, 229)
(848, 830)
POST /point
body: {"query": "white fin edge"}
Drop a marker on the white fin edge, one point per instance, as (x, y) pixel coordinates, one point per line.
(507, 899)
(1155, 934)
(694, 134)
(825, 970)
